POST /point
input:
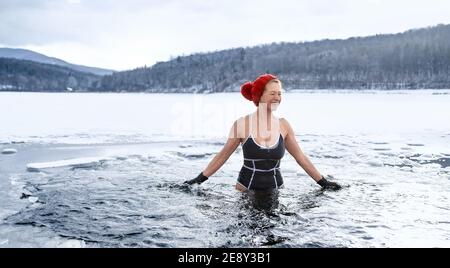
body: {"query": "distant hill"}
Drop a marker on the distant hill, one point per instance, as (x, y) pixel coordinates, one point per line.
(25, 75)
(24, 54)
(418, 58)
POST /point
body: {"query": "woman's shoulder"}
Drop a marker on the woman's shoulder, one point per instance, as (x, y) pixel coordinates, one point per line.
(240, 126)
(284, 126)
(243, 119)
(283, 121)
(240, 119)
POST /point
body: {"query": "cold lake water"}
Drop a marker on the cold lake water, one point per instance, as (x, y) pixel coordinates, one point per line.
(106, 170)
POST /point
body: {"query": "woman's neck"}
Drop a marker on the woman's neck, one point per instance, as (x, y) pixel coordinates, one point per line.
(264, 122)
(264, 114)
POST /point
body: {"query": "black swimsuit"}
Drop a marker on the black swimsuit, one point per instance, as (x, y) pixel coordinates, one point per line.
(261, 169)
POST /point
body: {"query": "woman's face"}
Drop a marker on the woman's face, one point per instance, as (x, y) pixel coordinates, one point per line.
(272, 95)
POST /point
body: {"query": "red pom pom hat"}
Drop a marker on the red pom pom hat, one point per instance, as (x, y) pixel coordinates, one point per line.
(253, 90)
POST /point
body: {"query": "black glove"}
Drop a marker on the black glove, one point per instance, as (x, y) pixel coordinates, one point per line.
(199, 179)
(328, 185)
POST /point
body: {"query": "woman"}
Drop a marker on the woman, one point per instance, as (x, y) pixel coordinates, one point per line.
(264, 139)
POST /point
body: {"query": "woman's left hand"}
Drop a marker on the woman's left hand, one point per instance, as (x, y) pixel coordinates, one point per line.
(328, 185)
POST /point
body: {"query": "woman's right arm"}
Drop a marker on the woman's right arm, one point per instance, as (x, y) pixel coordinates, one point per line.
(217, 162)
(229, 147)
(220, 158)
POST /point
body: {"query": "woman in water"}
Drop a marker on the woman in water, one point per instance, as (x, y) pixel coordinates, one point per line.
(264, 139)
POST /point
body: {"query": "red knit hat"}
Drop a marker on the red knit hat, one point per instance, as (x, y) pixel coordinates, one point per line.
(253, 91)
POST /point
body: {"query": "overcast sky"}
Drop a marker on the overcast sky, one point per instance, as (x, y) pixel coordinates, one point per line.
(123, 35)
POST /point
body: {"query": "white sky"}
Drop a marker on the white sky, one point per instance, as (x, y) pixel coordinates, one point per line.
(121, 35)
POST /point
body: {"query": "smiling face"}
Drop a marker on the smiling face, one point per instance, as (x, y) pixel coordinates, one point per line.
(272, 95)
